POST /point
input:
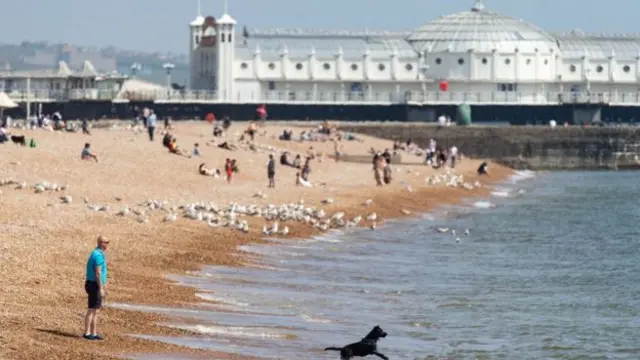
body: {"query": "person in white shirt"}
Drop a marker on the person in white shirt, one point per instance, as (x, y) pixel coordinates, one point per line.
(3, 135)
(453, 154)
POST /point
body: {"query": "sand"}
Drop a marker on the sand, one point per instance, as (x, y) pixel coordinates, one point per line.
(44, 244)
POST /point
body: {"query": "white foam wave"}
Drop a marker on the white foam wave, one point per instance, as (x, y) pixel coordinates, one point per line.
(234, 331)
(313, 319)
(501, 193)
(221, 300)
(484, 204)
(250, 249)
(263, 267)
(520, 175)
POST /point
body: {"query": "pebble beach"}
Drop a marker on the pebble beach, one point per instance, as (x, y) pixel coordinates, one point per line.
(162, 217)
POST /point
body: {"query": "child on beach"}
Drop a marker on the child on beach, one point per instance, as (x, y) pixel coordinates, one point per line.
(302, 182)
(196, 149)
(87, 154)
(228, 168)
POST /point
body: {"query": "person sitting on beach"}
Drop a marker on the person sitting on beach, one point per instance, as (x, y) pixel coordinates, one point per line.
(174, 149)
(284, 159)
(297, 162)
(203, 170)
(196, 149)
(166, 140)
(217, 131)
(87, 154)
(286, 135)
(301, 181)
(483, 169)
(227, 146)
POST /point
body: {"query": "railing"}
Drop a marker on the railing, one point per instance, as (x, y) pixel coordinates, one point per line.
(334, 97)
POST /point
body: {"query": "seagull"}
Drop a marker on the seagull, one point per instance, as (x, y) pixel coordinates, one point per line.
(443, 230)
(466, 232)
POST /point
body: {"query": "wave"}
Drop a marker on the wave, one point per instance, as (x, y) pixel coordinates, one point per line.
(221, 300)
(484, 205)
(235, 331)
(312, 319)
(520, 175)
(501, 192)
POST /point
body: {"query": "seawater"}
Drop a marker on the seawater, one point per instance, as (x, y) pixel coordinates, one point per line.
(549, 270)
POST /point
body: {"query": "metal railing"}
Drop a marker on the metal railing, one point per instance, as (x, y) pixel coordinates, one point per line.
(333, 97)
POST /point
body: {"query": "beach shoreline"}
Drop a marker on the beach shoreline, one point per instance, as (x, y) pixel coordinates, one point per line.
(45, 243)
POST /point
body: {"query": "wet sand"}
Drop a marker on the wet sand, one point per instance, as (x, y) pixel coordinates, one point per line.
(44, 244)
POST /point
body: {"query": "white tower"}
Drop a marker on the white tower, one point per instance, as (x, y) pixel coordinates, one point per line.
(195, 34)
(226, 53)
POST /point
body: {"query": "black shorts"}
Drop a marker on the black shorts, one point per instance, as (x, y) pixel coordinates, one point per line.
(271, 175)
(93, 292)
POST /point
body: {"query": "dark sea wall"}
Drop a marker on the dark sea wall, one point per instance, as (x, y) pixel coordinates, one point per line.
(535, 148)
(511, 114)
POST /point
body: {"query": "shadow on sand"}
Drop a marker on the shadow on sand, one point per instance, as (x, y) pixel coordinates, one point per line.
(59, 333)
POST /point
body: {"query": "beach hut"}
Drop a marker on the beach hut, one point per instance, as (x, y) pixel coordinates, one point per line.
(5, 103)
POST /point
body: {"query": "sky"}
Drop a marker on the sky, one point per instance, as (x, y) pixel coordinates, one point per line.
(162, 25)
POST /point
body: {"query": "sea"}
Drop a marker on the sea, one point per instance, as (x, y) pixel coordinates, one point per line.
(548, 269)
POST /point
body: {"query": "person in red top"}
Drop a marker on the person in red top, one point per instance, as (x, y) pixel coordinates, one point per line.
(261, 114)
(228, 167)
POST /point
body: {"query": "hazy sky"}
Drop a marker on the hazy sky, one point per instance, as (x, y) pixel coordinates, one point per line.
(162, 25)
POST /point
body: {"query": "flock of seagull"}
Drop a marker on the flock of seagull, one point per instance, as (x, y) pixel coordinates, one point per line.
(235, 215)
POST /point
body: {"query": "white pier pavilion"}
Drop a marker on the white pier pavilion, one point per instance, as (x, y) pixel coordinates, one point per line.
(474, 56)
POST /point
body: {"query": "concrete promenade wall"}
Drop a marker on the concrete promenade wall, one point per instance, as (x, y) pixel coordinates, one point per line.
(535, 148)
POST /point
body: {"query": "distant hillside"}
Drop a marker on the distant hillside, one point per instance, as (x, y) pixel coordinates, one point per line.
(39, 55)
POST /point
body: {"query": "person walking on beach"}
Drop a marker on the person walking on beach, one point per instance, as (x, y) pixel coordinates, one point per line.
(453, 155)
(271, 171)
(151, 124)
(96, 280)
(228, 168)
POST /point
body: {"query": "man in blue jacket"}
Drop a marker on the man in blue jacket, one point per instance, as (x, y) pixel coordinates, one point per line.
(151, 124)
(96, 280)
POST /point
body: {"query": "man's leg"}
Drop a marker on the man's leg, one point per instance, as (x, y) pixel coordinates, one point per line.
(94, 322)
(88, 321)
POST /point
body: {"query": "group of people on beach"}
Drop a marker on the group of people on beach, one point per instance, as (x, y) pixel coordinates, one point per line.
(435, 156)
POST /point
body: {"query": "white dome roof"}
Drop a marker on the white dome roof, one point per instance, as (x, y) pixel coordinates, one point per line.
(198, 21)
(480, 31)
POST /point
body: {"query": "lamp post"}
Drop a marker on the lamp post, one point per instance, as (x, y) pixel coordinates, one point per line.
(135, 67)
(168, 67)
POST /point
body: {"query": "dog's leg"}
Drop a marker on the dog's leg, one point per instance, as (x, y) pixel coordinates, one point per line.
(381, 356)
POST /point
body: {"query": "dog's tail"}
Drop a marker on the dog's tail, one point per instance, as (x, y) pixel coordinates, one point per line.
(333, 348)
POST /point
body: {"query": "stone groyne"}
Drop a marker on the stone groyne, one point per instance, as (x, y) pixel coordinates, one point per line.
(535, 148)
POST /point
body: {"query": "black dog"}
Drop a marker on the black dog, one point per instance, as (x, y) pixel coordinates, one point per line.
(365, 347)
(19, 140)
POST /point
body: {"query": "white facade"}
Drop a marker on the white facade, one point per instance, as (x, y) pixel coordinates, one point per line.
(478, 53)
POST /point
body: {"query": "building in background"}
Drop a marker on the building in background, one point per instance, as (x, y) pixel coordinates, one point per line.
(483, 55)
